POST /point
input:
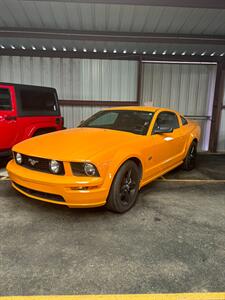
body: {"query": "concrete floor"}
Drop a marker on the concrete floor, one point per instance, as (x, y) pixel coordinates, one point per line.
(173, 240)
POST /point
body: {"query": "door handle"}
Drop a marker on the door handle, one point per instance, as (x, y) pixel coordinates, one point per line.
(10, 118)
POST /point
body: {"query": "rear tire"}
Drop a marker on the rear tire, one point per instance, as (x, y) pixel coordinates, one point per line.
(124, 190)
(190, 159)
(43, 131)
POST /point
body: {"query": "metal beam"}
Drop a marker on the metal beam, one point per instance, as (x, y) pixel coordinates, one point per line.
(217, 107)
(118, 56)
(139, 80)
(215, 4)
(136, 37)
(97, 103)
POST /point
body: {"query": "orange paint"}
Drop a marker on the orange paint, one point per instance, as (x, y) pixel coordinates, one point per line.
(107, 150)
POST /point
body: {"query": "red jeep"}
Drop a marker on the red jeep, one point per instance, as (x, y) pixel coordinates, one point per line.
(26, 111)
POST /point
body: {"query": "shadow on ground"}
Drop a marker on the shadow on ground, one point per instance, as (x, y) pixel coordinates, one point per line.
(209, 166)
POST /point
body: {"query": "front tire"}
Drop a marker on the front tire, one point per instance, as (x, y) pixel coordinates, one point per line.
(190, 159)
(124, 190)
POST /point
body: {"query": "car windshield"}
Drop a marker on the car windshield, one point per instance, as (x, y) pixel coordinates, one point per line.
(133, 121)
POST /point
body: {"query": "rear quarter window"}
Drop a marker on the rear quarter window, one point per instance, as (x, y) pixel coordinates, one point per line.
(38, 102)
(183, 120)
(5, 99)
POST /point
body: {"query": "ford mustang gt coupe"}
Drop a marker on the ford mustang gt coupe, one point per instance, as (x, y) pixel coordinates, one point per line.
(107, 159)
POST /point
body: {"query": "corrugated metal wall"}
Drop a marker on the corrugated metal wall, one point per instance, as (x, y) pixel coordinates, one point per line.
(76, 79)
(188, 88)
(75, 114)
(184, 87)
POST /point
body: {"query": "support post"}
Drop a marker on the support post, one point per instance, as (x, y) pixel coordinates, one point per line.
(217, 106)
(139, 81)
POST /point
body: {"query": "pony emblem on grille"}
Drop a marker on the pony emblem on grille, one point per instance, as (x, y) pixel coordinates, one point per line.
(33, 162)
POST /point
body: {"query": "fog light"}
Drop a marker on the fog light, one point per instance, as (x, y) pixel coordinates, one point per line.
(19, 158)
(79, 188)
(54, 166)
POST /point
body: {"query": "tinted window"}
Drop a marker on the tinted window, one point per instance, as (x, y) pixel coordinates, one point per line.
(124, 120)
(166, 119)
(184, 121)
(5, 99)
(38, 102)
(104, 120)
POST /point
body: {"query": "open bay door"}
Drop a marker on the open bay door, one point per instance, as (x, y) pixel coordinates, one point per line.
(185, 87)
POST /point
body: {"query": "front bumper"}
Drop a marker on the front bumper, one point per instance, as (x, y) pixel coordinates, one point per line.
(69, 190)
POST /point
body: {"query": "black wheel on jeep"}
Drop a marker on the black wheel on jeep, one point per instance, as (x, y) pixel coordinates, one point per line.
(190, 159)
(124, 190)
(43, 131)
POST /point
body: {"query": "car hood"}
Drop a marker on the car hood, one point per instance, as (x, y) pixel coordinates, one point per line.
(77, 144)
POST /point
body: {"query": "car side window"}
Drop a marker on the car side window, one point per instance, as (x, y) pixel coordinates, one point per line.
(183, 120)
(166, 119)
(5, 99)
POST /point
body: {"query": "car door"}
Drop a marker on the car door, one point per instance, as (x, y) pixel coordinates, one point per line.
(8, 118)
(166, 148)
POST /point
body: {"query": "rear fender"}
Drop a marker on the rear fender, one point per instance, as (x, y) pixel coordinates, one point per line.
(194, 135)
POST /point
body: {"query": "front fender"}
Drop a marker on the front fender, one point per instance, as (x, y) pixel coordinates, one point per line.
(119, 160)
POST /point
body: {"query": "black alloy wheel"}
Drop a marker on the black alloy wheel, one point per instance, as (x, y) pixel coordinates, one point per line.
(190, 159)
(124, 190)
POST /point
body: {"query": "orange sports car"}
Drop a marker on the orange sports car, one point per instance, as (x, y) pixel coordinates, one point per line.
(107, 159)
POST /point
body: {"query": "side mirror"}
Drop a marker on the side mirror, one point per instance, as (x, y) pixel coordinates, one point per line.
(162, 130)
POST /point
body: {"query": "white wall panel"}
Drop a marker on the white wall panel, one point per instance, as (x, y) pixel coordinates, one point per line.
(188, 88)
(183, 87)
(77, 79)
(75, 114)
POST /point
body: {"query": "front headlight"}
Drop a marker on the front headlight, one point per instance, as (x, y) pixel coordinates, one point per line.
(89, 169)
(84, 169)
(19, 158)
(54, 166)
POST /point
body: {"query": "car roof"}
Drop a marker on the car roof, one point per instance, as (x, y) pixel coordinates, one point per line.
(18, 85)
(140, 108)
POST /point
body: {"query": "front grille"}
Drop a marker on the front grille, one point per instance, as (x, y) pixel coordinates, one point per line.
(39, 164)
(39, 194)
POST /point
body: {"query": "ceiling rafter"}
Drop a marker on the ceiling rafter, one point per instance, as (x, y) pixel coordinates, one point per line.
(111, 36)
(215, 4)
(117, 56)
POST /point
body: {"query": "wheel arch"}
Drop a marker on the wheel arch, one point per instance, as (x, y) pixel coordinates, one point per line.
(138, 162)
(117, 168)
(195, 140)
(189, 142)
(43, 130)
(133, 158)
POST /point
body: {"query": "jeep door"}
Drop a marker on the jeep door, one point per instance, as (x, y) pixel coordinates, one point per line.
(8, 117)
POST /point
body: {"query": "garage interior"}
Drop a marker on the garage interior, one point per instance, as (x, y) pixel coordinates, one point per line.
(107, 53)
